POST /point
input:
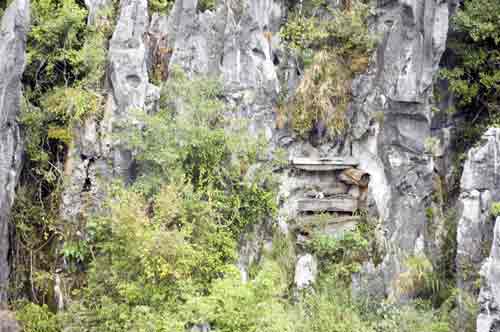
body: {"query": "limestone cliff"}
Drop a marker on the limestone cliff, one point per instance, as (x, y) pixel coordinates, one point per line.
(390, 116)
(12, 61)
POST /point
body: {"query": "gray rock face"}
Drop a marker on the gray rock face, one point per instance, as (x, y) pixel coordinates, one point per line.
(479, 189)
(488, 319)
(97, 156)
(391, 122)
(239, 42)
(13, 32)
(306, 271)
(129, 80)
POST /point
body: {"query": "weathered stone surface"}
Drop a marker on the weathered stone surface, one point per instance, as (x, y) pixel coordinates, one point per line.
(129, 81)
(14, 27)
(306, 270)
(238, 41)
(391, 122)
(488, 319)
(479, 189)
(97, 156)
(205, 327)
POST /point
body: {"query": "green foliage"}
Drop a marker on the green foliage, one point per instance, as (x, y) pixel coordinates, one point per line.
(495, 209)
(413, 317)
(193, 145)
(204, 5)
(333, 51)
(418, 278)
(170, 239)
(57, 33)
(330, 309)
(475, 75)
(234, 306)
(64, 82)
(341, 255)
(35, 318)
(161, 6)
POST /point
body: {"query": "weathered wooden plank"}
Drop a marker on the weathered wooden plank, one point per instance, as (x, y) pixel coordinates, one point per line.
(325, 219)
(331, 225)
(338, 204)
(324, 164)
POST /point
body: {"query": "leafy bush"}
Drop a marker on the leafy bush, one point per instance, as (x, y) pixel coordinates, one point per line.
(56, 35)
(341, 255)
(495, 209)
(161, 6)
(419, 278)
(473, 73)
(35, 318)
(333, 51)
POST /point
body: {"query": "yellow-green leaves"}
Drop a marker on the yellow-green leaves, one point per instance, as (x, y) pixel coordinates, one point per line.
(333, 51)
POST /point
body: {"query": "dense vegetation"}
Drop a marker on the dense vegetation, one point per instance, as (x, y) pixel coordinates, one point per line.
(334, 45)
(473, 65)
(162, 255)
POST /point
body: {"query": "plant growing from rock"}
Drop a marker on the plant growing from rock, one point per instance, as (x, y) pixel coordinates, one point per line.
(333, 52)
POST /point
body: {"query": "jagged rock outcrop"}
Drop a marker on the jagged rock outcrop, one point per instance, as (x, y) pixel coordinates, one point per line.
(488, 319)
(391, 117)
(238, 41)
(96, 156)
(14, 27)
(479, 188)
(306, 271)
(129, 81)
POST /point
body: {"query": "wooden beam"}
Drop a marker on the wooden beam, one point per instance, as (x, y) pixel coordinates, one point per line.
(324, 164)
(338, 204)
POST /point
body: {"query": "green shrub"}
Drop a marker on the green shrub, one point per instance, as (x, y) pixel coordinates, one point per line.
(495, 209)
(35, 318)
(206, 5)
(161, 6)
(474, 77)
(56, 35)
(333, 51)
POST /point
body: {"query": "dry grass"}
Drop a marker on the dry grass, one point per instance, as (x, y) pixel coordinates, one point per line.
(323, 95)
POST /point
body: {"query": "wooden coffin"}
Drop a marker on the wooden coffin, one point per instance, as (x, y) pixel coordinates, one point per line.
(338, 204)
(330, 225)
(324, 164)
(355, 176)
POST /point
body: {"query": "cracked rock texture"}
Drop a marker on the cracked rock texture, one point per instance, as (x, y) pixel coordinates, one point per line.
(306, 270)
(478, 190)
(390, 124)
(239, 42)
(390, 115)
(13, 30)
(97, 156)
(488, 319)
